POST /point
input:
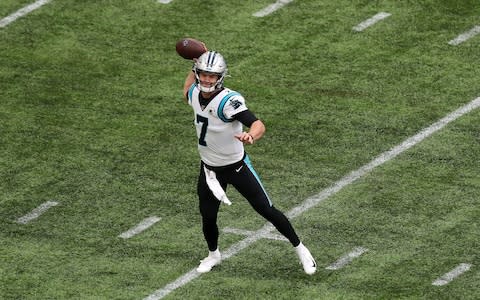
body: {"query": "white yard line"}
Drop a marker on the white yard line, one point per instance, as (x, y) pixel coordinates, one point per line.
(145, 224)
(369, 22)
(22, 12)
(347, 258)
(271, 8)
(446, 278)
(164, 1)
(384, 157)
(37, 212)
(272, 236)
(315, 200)
(465, 36)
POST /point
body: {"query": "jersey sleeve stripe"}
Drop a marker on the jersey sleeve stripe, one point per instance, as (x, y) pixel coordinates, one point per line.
(220, 113)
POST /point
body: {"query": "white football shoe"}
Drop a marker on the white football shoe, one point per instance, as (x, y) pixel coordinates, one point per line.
(214, 258)
(306, 258)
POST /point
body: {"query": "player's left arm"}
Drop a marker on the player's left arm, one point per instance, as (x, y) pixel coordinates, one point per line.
(255, 125)
(254, 134)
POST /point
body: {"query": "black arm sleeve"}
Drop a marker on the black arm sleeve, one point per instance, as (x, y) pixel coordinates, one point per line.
(245, 117)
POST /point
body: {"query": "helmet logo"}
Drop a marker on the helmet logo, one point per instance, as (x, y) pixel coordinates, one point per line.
(211, 58)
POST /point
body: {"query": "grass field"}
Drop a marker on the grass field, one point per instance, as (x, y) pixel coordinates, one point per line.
(92, 117)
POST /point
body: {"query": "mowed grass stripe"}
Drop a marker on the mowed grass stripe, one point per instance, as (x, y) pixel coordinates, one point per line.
(315, 200)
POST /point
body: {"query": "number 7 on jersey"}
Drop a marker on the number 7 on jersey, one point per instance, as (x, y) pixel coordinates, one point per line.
(203, 132)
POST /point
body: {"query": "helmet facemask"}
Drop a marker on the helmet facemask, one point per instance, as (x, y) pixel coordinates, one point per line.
(210, 62)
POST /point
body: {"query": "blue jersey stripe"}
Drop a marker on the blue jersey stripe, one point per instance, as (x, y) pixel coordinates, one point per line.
(221, 106)
(249, 165)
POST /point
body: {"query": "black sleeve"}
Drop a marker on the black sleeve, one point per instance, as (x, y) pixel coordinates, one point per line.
(245, 117)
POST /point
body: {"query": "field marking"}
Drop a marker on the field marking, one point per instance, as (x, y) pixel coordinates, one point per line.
(37, 212)
(315, 200)
(347, 258)
(22, 12)
(446, 278)
(164, 1)
(465, 36)
(369, 22)
(271, 8)
(272, 236)
(145, 224)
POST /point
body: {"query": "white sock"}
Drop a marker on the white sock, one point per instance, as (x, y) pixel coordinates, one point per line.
(300, 246)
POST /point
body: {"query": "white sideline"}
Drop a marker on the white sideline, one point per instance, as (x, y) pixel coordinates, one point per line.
(369, 22)
(37, 212)
(465, 36)
(315, 200)
(164, 1)
(272, 236)
(21, 12)
(145, 224)
(271, 8)
(347, 258)
(446, 278)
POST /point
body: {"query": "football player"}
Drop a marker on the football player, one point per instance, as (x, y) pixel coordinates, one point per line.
(220, 114)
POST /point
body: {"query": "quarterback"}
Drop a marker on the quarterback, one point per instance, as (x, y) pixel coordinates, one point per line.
(220, 116)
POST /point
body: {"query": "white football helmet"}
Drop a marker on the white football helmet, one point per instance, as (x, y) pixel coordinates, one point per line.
(210, 62)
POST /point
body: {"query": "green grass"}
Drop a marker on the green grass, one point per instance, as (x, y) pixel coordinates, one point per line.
(8, 7)
(92, 116)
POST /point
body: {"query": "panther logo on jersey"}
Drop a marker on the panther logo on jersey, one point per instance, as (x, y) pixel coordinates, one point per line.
(235, 103)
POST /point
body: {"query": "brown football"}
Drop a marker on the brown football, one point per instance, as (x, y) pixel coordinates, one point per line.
(189, 48)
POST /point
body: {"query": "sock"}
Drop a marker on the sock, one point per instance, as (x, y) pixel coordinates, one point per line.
(299, 246)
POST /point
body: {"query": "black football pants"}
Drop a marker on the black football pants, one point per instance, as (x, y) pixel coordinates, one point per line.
(244, 178)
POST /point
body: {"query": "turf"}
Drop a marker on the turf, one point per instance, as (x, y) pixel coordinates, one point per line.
(92, 116)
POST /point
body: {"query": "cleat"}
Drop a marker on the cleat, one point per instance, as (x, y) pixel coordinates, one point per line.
(306, 258)
(214, 258)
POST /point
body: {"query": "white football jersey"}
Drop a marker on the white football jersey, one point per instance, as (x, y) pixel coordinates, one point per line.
(216, 129)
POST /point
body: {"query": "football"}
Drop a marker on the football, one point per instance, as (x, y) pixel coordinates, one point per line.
(189, 48)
